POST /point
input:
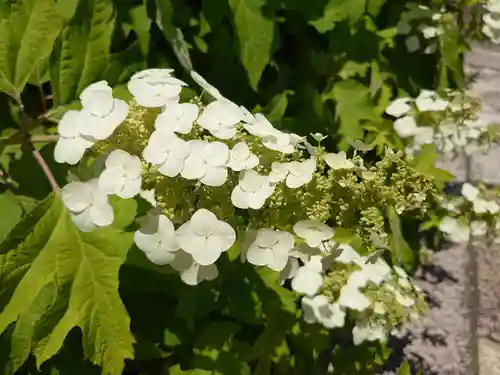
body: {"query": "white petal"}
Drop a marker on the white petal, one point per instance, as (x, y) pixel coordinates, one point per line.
(177, 117)
(406, 126)
(239, 198)
(71, 150)
(216, 153)
(398, 107)
(111, 180)
(97, 98)
(259, 256)
(156, 151)
(77, 196)
(172, 166)
(224, 132)
(194, 167)
(83, 221)
(102, 214)
(216, 176)
(117, 159)
(70, 124)
(130, 189)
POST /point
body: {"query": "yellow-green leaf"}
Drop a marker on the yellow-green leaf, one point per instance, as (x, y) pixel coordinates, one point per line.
(83, 267)
(255, 36)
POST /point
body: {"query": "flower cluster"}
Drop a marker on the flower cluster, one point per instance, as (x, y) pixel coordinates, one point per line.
(219, 177)
(421, 25)
(450, 123)
(491, 19)
(475, 213)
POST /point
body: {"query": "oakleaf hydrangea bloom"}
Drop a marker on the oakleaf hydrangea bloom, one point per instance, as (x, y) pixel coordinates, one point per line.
(252, 190)
(318, 310)
(155, 87)
(167, 152)
(399, 107)
(240, 157)
(313, 231)
(206, 162)
(101, 112)
(157, 239)
(455, 230)
(192, 273)
(309, 278)
(122, 175)
(220, 118)
(429, 101)
(338, 161)
(270, 248)
(177, 117)
(205, 237)
(88, 205)
(72, 144)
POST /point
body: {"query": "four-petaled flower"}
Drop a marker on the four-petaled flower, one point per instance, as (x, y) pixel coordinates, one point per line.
(270, 248)
(122, 175)
(220, 118)
(338, 161)
(192, 273)
(319, 310)
(157, 239)
(399, 107)
(252, 190)
(240, 157)
(72, 144)
(300, 173)
(101, 113)
(167, 152)
(205, 237)
(177, 117)
(429, 101)
(313, 231)
(206, 162)
(88, 205)
(406, 126)
(155, 87)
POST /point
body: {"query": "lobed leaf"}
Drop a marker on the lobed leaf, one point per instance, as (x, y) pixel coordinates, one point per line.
(70, 280)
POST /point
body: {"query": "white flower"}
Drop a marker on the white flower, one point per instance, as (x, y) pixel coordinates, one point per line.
(270, 248)
(155, 87)
(456, 231)
(240, 157)
(412, 43)
(482, 206)
(258, 125)
(406, 126)
(376, 272)
(399, 107)
(424, 135)
(338, 161)
(430, 32)
(205, 237)
(279, 141)
(309, 278)
(192, 273)
(319, 310)
(279, 171)
(352, 298)
(122, 175)
(220, 118)
(313, 231)
(88, 205)
(205, 85)
(157, 239)
(252, 190)
(479, 227)
(469, 192)
(300, 173)
(318, 137)
(429, 101)
(364, 331)
(167, 152)
(72, 144)
(206, 162)
(101, 113)
(349, 256)
(177, 117)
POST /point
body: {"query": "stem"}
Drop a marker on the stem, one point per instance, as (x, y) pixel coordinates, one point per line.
(28, 144)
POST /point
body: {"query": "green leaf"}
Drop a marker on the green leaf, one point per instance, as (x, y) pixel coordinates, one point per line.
(277, 106)
(26, 40)
(404, 369)
(83, 267)
(11, 213)
(255, 37)
(425, 163)
(339, 10)
(451, 58)
(141, 25)
(353, 106)
(401, 250)
(124, 211)
(83, 50)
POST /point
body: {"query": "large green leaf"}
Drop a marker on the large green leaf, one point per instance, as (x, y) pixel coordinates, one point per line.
(11, 212)
(83, 50)
(26, 40)
(70, 280)
(353, 106)
(339, 10)
(255, 36)
(401, 250)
